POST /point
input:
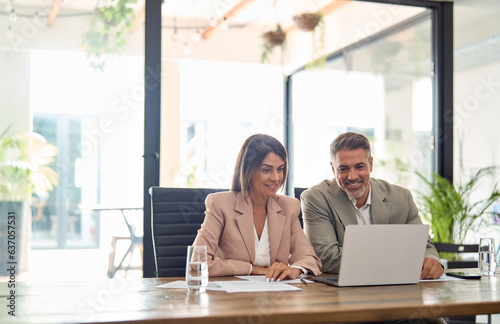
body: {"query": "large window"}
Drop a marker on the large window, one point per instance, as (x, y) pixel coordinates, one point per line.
(218, 105)
(382, 89)
(95, 118)
(58, 219)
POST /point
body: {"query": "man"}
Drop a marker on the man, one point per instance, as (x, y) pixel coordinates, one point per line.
(354, 198)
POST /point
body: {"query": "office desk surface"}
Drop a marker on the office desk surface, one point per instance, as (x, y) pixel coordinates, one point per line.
(141, 301)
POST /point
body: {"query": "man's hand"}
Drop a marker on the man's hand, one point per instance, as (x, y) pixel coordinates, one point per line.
(431, 269)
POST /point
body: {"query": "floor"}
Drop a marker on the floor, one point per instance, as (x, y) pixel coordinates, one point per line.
(66, 265)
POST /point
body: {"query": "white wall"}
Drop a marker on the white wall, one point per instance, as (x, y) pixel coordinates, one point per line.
(170, 122)
(14, 92)
(65, 34)
(477, 115)
(477, 94)
(477, 88)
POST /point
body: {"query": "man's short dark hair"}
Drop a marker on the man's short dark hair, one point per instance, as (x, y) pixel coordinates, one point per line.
(350, 141)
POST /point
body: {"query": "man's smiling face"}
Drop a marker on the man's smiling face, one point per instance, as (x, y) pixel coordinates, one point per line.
(352, 171)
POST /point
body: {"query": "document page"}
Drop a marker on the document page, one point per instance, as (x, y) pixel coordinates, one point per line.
(263, 279)
(253, 286)
(236, 286)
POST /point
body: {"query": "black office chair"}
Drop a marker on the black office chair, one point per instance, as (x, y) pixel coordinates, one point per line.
(176, 216)
(297, 192)
(460, 249)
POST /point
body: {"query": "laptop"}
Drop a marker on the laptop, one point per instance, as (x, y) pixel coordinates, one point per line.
(380, 254)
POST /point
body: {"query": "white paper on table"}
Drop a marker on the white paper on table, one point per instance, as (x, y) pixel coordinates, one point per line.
(253, 286)
(263, 279)
(444, 277)
(183, 285)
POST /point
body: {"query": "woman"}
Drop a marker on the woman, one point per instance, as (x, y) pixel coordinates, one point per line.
(251, 229)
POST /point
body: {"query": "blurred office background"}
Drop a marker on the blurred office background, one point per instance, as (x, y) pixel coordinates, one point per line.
(216, 92)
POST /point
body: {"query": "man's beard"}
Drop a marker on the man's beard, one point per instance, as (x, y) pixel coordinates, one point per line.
(355, 193)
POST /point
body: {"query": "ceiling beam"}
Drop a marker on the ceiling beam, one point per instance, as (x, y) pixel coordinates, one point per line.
(232, 12)
(328, 9)
(54, 11)
(140, 18)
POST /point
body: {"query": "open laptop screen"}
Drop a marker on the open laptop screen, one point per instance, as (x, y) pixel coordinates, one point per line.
(379, 254)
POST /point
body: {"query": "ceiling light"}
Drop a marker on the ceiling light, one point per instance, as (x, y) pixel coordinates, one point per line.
(197, 36)
(187, 48)
(9, 33)
(176, 36)
(13, 15)
(212, 22)
(224, 24)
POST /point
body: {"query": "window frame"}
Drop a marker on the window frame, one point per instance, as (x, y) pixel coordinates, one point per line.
(441, 15)
(442, 53)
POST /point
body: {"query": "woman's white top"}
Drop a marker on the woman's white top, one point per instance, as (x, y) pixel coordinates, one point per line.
(262, 247)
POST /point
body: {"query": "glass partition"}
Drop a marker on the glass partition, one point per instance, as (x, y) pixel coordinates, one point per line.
(382, 89)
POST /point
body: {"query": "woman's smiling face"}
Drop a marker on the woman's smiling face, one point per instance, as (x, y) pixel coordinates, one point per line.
(268, 177)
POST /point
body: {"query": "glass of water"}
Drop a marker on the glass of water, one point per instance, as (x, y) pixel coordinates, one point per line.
(487, 259)
(197, 269)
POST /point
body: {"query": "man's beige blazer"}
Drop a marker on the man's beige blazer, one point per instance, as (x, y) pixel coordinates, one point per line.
(327, 211)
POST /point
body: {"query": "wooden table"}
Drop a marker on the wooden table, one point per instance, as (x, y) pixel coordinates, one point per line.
(121, 300)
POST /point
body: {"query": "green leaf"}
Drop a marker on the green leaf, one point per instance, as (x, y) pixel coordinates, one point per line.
(23, 170)
(450, 210)
(107, 31)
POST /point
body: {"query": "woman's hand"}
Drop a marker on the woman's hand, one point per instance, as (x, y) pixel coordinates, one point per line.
(279, 271)
(256, 270)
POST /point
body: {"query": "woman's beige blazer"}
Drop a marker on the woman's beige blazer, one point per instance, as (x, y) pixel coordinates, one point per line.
(228, 233)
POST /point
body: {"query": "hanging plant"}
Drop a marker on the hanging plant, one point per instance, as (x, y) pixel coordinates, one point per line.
(109, 26)
(307, 21)
(318, 41)
(272, 39)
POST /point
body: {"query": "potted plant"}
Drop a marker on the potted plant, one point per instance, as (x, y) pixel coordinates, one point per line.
(315, 23)
(109, 26)
(24, 169)
(272, 39)
(451, 210)
(307, 21)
